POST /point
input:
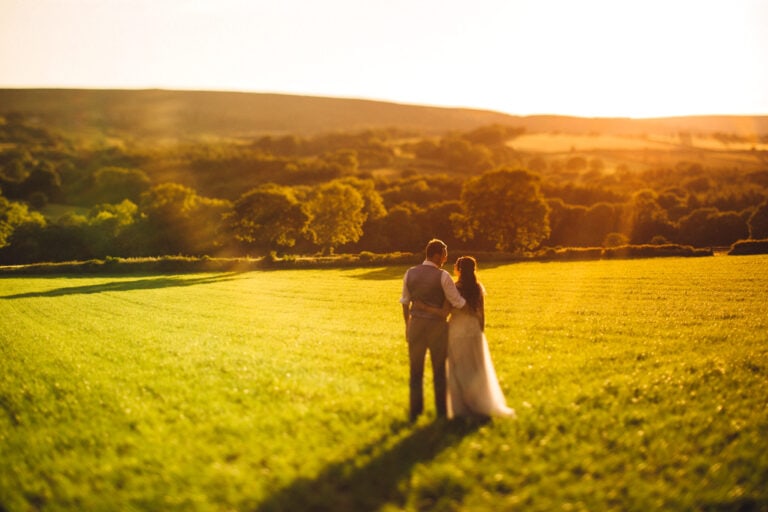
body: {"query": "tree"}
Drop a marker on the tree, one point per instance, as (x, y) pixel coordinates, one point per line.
(615, 240)
(505, 207)
(565, 223)
(374, 204)
(644, 218)
(69, 238)
(13, 215)
(495, 134)
(27, 244)
(375, 212)
(406, 226)
(107, 224)
(20, 232)
(693, 227)
(42, 180)
(461, 154)
(675, 201)
(422, 190)
(758, 222)
(710, 227)
(434, 221)
(336, 215)
(15, 165)
(600, 220)
(178, 221)
(576, 164)
(581, 226)
(207, 220)
(596, 166)
(345, 160)
(269, 218)
(727, 228)
(390, 233)
(113, 184)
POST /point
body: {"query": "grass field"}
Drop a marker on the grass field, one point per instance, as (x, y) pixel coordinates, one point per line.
(639, 385)
(565, 142)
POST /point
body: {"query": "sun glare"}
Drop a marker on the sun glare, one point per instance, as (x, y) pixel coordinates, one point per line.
(592, 58)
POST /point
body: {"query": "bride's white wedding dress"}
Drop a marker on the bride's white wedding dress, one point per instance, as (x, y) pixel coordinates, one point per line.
(473, 388)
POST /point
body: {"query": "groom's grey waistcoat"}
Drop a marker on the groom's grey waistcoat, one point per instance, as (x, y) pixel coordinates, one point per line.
(423, 283)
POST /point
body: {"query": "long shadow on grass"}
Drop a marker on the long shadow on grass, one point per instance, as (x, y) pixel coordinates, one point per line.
(370, 479)
(397, 272)
(123, 286)
(383, 274)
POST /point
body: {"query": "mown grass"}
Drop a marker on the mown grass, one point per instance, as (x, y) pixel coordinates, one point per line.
(638, 384)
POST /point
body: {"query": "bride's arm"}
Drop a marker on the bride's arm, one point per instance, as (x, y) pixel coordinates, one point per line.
(422, 306)
(481, 312)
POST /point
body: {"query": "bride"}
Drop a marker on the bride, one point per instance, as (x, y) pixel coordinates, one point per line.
(473, 388)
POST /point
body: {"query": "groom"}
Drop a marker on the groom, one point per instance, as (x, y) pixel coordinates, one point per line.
(427, 331)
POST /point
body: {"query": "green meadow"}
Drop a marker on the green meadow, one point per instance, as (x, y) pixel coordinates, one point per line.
(639, 385)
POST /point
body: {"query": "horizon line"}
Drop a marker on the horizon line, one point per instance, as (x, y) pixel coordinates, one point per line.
(364, 99)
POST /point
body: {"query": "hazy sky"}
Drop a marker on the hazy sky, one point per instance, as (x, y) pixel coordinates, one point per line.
(578, 57)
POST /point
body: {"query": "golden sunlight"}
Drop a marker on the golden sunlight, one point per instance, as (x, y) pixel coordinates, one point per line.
(592, 58)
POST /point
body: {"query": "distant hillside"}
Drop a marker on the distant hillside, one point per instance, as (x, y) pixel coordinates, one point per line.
(163, 113)
(174, 113)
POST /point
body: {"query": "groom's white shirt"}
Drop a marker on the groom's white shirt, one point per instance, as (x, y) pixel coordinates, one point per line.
(449, 288)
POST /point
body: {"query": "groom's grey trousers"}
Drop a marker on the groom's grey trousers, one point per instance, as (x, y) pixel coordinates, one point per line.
(423, 334)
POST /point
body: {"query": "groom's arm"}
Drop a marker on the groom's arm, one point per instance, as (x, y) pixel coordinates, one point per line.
(406, 317)
(451, 292)
(405, 300)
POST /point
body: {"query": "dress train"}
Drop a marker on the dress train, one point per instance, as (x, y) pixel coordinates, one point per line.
(473, 388)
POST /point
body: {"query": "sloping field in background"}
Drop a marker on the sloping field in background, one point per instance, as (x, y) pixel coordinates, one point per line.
(163, 113)
(561, 143)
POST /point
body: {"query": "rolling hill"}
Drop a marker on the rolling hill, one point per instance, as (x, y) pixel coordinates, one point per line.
(174, 114)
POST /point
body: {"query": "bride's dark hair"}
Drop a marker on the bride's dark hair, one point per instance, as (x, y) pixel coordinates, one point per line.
(467, 283)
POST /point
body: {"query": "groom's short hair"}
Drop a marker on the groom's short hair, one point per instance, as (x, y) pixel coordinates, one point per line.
(435, 246)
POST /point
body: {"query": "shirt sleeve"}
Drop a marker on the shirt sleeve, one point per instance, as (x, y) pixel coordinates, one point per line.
(405, 298)
(450, 291)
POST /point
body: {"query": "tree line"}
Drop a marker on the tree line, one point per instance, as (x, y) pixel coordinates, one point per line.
(287, 194)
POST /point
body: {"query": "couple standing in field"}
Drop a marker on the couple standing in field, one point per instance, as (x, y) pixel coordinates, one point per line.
(464, 378)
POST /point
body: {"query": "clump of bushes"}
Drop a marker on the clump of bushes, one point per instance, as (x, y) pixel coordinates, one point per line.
(620, 252)
(654, 251)
(744, 247)
(571, 254)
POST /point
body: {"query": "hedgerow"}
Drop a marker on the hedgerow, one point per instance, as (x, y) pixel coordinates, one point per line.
(191, 264)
